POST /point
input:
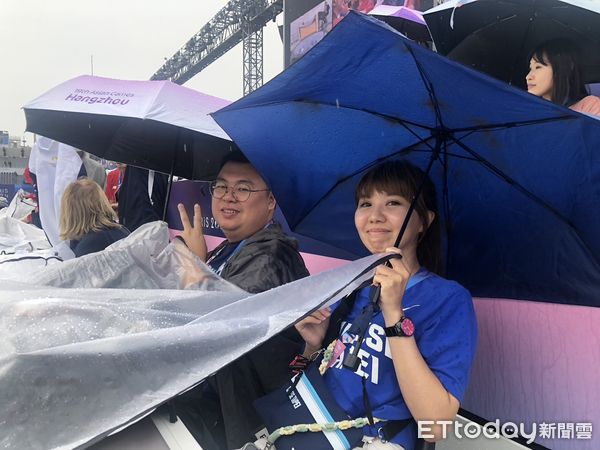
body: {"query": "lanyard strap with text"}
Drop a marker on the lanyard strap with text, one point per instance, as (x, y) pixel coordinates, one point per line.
(224, 263)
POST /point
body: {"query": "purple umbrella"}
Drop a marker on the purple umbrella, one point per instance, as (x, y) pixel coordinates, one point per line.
(407, 21)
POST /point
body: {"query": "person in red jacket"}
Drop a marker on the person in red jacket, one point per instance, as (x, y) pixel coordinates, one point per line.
(113, 184)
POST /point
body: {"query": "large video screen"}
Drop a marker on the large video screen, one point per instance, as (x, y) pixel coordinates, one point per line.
(306, 22)
(310, 28)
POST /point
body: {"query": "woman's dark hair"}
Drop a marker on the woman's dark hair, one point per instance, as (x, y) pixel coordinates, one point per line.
(564, 58)
(402, 178)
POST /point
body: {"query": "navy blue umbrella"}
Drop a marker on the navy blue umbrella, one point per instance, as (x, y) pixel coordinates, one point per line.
(518, 177)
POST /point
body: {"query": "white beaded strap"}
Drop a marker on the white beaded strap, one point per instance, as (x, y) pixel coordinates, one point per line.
(317, 428)
(327, 355)
(320, 427)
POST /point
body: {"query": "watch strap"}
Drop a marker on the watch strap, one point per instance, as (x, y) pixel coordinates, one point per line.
(403, 328)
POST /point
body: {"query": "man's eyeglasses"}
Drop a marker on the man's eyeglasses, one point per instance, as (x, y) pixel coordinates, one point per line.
(241, 192)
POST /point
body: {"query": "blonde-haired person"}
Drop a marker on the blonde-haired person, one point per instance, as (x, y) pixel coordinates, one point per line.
(87, 219)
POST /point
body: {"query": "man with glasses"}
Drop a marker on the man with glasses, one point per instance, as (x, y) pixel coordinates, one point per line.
(256, 256)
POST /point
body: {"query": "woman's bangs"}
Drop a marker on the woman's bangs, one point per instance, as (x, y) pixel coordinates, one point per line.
(384, 180)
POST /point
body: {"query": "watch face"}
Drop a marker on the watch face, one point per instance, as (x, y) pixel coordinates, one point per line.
(407, 327)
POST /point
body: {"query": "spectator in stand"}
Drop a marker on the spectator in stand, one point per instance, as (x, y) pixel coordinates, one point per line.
(142, 197)
(555, 74)
(34, 217)
(256, 256)
(114, 179)
(412, 367)
(92, 169)
(87, 219)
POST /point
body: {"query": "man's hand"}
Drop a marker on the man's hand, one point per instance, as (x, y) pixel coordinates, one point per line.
(193, 235)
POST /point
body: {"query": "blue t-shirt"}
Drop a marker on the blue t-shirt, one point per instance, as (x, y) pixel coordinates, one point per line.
(446, 335)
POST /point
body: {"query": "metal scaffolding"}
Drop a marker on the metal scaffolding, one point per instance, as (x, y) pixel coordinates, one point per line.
(238, 21)
(252, 39)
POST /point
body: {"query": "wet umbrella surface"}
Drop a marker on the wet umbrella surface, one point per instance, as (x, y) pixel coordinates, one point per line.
(518, 177)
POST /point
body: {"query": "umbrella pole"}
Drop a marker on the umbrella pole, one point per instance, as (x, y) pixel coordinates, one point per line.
(166, 208)
(434, 155)
(169, 185)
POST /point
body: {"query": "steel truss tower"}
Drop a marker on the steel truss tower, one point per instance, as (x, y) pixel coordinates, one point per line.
(252, 38)
(238, 21)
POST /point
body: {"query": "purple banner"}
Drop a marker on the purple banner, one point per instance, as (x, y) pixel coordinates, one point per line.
(191, 192)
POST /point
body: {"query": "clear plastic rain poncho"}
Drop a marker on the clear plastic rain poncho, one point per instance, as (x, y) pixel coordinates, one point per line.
(93, 343)
(17, 236)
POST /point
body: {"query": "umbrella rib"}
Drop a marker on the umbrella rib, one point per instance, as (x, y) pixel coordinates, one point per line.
(572, 29)
(361, 169)
(499, 126)
(403, 122)
(430, 90)
(518, 54)
(428, 86)
(524, 191)
(448, 223)
(453, 155)
(509, 180)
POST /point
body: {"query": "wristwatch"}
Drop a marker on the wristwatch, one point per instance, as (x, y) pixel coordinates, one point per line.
(405, 327)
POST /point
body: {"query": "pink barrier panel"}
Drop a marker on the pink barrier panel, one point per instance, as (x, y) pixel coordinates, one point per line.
(538, 362)
(314, 263)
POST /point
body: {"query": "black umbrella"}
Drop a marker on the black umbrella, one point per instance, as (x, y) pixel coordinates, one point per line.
(157, 125)
(497, 37)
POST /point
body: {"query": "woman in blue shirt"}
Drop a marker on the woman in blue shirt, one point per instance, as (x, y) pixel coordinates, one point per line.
(420, 342)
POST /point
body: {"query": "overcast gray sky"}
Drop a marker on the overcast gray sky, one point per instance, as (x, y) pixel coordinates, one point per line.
(46, 42)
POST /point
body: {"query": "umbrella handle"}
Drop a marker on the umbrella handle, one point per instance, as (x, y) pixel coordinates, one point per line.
(166, 208)
(170, 183)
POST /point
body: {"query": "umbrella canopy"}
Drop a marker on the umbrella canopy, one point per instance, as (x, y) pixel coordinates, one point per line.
(157, 125)
(407, 21)
(498, 37)
(518, 177)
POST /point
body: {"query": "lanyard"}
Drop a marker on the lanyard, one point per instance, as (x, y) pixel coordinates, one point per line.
(233, 253)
